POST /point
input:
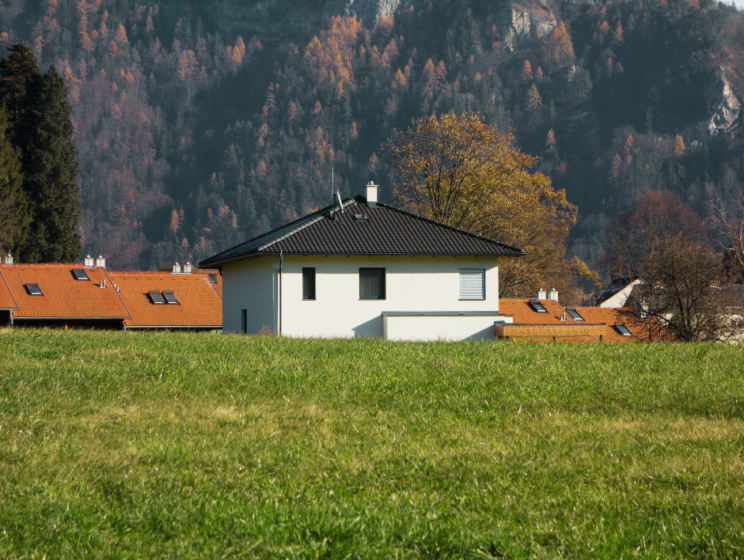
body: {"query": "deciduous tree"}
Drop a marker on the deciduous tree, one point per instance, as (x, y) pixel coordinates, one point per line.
(460, 171)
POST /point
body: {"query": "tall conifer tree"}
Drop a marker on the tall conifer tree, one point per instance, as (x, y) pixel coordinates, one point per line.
(49, 162)
(15, 70)
(15, 214)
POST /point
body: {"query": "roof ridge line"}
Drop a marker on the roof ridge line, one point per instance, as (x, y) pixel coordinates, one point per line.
(344, 204)
(453, 228)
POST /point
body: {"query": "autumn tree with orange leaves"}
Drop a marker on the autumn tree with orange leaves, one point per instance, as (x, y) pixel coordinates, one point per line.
(460, 171)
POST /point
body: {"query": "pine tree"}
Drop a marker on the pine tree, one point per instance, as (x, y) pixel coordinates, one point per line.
(49, 163)
(15, 71)
(15, 214)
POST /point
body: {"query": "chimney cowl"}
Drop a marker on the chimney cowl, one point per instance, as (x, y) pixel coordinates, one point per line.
(8, 259)
(553, 294)
(176, 268)
(187, 268)
(371, 194)
(541, 294)
(101, 262)
(88, 262)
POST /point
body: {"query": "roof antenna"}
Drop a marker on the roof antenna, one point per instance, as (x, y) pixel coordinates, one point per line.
(332, 189)
(338, 201)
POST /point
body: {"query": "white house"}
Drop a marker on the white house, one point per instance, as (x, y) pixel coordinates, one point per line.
(363, 268)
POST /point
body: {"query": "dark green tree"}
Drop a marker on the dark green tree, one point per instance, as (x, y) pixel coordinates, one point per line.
(49, 162)
(15, 71)
(15, 214)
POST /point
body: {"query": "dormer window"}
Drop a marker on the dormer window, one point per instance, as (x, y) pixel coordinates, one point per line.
(537, 306)
(33, 290)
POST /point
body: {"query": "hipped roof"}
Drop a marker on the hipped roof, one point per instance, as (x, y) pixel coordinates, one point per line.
(365, 230)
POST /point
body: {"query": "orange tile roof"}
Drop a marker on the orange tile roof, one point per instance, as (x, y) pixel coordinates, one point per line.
(524, 314)
(200, 302)
(612, 315)
(63, 297)
(6, 298)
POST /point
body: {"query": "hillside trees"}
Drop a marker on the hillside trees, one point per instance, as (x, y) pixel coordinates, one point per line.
(462, 172)
(14, 212)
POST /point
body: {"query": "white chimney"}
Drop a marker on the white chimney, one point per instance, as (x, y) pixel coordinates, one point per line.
(102, 284)
(88, 262)
(553, 294)
(176, 268)
(101, 262)
(187, 268)
(8, 259)
(371, 194)
(541, 294)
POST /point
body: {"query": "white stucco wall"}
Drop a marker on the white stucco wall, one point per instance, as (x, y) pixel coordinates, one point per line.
(420, 284)
(251, 285)
(441, 327)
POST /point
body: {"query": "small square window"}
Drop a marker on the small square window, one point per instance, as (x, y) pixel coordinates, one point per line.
(80, 274)
(33, 290)
(537, 306)
(156, 297)
(623, 330)
(472, 283)
(308, 283)
(371, 283)
(575, 314)
(170, 297)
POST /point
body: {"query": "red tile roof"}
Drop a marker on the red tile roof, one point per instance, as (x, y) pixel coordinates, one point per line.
(524, 314)
(63, 297)
(200, 302)
(6, 298)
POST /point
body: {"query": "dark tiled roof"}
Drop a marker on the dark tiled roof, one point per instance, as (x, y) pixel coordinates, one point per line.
(382, 230)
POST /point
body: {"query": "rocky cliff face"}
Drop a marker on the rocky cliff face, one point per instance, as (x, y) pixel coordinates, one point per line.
(370, 11)
(524, 21)
(727, 107)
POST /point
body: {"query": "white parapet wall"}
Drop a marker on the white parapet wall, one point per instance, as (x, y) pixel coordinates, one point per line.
(440, 325)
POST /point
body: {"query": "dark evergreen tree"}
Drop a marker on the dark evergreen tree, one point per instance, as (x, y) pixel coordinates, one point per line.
(15, 214)
(15, 71)
(49, 162)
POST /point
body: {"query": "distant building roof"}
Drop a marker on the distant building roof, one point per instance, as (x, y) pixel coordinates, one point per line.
(62, 295)
(616, 285)
(199, 303)
(364, 230)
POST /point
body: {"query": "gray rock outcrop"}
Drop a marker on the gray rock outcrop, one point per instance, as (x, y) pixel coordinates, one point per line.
(726, 114)
(525, 21)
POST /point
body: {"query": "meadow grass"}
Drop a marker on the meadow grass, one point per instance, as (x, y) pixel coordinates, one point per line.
(166, 445)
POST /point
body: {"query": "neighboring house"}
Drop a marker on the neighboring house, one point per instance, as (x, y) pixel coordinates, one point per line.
(171, 300)
(7, 302)
(63, 295)
(363, 268)
(615, 294)
(545, 320)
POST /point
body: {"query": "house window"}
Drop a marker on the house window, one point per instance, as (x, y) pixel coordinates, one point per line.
(33, 290)
(537, 306)
(623, 330)
(244, 321)
(308, 283)
(371, 283)
(472, 283)
(575, 314)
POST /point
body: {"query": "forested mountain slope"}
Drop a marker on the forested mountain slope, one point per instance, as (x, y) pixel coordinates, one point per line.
(200, 124)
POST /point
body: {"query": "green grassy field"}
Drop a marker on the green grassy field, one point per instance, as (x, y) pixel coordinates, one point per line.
(147, 445)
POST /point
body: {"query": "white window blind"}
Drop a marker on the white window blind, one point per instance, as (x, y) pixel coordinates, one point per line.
(472, 283)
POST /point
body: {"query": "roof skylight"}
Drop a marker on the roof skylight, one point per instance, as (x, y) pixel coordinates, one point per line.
(623, 330)
(80, 274)
(33, 290)
(575, 314)
(212, 277)
(537, 306)
(170, 297)
(156, 297)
